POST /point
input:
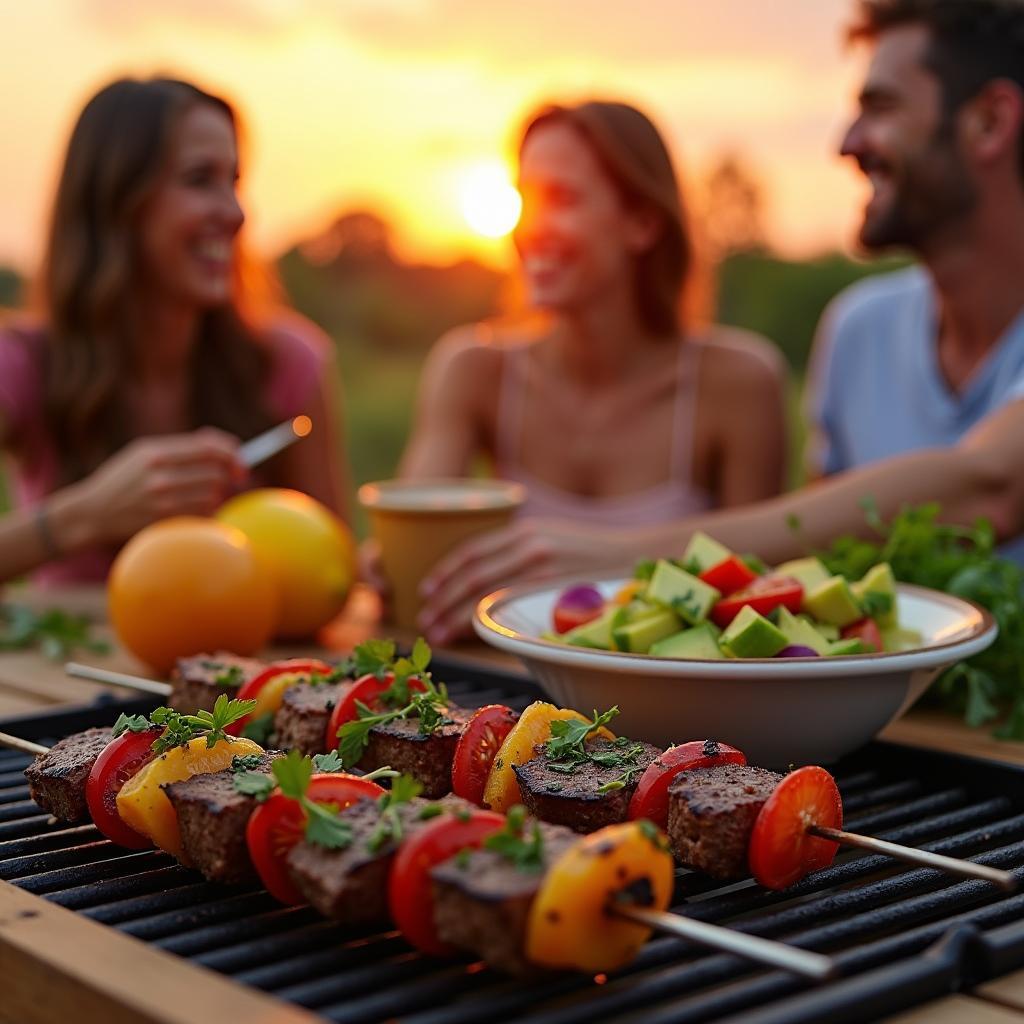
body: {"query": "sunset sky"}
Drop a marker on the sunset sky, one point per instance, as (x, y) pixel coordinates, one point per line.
(395, 104)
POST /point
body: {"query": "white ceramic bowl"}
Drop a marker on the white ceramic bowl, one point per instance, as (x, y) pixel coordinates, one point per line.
(779, 711)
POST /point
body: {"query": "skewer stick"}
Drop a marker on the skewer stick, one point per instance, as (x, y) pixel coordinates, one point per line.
(923, 858)
(25, 746)
(270, 442)
(122, 679)
(804, 962)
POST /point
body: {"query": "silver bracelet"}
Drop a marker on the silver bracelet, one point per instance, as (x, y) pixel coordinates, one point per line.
(50, 545)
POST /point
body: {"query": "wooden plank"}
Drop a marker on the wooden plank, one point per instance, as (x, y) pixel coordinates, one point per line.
(929, 727)
(958, 1010)
(59, 966)
(1008, 990)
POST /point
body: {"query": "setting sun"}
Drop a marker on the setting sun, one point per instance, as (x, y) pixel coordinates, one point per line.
(488, 200)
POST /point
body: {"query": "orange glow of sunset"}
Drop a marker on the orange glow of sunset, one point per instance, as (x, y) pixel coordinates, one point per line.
(412, 108)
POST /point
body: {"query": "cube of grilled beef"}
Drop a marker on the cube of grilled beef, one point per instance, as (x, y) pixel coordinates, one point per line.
(574, 799)
(427, 758)
(711, 812)
(482, 901)
(197, 682)
(351, 885)
(212, 816)
(301, 721)
(56, 779)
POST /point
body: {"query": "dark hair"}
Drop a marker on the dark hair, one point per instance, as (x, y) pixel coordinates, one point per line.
(117, 150)
(633, 154)
(973, 42)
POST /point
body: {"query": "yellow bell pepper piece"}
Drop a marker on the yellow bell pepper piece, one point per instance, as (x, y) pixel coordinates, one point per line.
(533, 728)
(628, 591)
(569, 924)
(271, 695)
(144, 806)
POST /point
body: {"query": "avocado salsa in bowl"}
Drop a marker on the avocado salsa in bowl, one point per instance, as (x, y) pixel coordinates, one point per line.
(691, 648)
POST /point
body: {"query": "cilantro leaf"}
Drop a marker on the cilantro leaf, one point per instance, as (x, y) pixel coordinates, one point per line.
(293, 772)
(55, 632)
(568, 734)
(245, 762)
(231, 677)
(325, 826)
(130, 723)
(329, 762)
(374, 657)
(526, 854)
(257, 784)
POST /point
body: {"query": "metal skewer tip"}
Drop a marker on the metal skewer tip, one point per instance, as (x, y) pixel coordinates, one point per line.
(1005, 880)
(25, 746)
(804, 962)
(270, 442)
(121, 679)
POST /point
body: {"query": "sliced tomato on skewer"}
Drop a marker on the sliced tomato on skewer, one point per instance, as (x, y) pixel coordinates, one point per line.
(781, 850)
(119, 760)
(279, 823)
(410, 894)
(650, 799)
(366, 690)
(476, 749)
(267, 687)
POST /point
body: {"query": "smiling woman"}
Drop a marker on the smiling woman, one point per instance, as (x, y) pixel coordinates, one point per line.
(124, 402)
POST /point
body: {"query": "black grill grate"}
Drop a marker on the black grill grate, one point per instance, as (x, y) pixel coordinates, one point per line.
(901, 937)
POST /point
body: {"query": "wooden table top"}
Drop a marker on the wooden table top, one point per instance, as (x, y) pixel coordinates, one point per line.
(29, 683)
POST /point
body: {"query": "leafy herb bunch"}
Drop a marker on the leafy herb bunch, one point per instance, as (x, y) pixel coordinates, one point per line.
(962, 561)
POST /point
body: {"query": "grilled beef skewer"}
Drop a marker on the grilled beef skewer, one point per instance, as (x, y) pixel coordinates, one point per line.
(56, 779)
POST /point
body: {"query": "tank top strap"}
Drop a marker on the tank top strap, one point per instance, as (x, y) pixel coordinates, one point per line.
(508, 429)
(684, 415)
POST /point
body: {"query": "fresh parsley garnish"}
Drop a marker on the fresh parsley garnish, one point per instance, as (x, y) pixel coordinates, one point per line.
(429, 706)
(179, 729)
(245, 762)
(329, 762)
(526, 854)
(230, 676)
(57, 633)
(373, 658)
(389, 829)
(257, 784)
(960, 560)
(568, 734)
(130, 723)
(326, 827)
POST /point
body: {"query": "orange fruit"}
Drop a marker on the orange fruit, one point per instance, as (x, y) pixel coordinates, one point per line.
(186, 585)
(308, 550)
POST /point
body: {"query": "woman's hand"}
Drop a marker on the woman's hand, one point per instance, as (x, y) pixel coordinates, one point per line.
(155, 477)
(528, 550)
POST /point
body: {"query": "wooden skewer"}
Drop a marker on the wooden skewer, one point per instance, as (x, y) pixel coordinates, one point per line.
(25, 746)
(924, 858)
(122, 679)
(804, 962)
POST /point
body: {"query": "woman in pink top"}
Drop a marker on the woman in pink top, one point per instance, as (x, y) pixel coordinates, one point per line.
(126, 402)
(621, 411)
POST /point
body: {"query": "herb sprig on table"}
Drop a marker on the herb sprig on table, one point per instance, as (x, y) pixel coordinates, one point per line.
(55, 632)
(959, 560)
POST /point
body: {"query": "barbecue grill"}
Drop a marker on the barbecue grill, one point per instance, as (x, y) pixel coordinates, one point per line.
(900, 937)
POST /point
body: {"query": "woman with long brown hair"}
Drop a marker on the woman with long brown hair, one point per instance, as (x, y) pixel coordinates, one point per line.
(125, 402)
(624, 410)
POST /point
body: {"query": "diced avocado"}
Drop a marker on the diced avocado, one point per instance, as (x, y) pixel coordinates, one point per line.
(876, 593)
(799, 632)
(751, 635)
(637, 637)
(704, 551)
(849, 645)
(826, 629)
(894, 638)
(808, 572)
(833, 601)
(631, 611)
(698, 642)
(690, 598)
(596, 633)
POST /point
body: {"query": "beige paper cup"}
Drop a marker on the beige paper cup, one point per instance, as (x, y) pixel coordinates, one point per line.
(416, 522)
